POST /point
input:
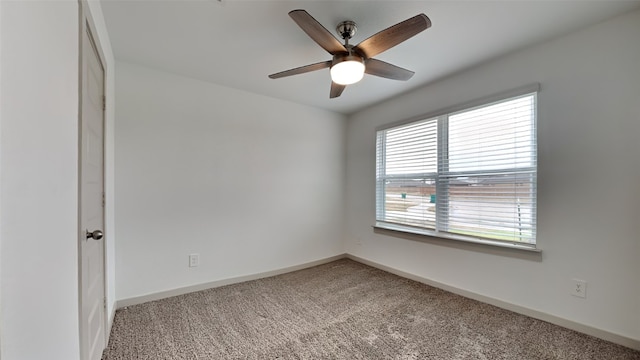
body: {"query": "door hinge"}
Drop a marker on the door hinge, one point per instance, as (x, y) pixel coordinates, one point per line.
(104, 102)
(104, 302)
(103, 201)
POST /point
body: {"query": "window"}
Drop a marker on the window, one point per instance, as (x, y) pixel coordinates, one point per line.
(468, 174)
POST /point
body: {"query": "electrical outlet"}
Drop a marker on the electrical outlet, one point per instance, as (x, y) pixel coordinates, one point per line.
(579, 288)
(194, 260)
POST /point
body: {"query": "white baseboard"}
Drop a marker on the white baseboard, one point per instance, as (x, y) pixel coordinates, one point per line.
(582, 328)
(214, 284)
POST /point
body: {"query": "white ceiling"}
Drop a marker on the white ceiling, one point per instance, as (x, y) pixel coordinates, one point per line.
(238, 43)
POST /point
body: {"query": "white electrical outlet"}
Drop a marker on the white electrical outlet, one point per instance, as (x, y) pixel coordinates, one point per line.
(194, 260)
(579, 288)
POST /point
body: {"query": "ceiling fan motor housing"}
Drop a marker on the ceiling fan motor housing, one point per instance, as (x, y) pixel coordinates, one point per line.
(338, 58)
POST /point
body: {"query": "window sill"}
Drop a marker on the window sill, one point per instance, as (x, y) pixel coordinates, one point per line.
(449, 236)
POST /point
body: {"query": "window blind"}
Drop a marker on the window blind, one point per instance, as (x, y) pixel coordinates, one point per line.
(469, 173)
(407, 170)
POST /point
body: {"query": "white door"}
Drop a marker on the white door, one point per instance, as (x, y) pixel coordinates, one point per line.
(92, 301)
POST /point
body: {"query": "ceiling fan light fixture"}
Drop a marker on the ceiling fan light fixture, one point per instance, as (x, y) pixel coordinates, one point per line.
(347, 69)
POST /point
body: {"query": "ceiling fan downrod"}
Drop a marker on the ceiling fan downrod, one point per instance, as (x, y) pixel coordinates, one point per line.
(346, 29)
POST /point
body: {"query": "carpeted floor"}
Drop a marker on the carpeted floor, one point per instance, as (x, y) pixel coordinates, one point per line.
(340, 310)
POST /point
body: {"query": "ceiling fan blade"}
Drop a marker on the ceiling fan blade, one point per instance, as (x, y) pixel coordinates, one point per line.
(393, 35)
(386, 70)
(302, 69)
(336, 90)
(317, 32)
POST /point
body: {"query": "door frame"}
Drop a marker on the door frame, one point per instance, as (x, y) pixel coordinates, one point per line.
(87, 25)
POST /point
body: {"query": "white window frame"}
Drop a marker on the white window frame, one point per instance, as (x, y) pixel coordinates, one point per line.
(442, 118)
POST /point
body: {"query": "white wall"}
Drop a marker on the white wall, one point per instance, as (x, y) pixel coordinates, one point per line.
(589, 171)
(1, 61)
(38, 190)
(252, 184)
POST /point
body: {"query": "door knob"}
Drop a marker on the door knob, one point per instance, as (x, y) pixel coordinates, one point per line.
(96, 235)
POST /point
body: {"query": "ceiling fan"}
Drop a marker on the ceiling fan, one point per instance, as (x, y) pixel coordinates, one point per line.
(350, 62)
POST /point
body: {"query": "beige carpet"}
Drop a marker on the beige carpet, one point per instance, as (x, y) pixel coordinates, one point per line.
(340, 310)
